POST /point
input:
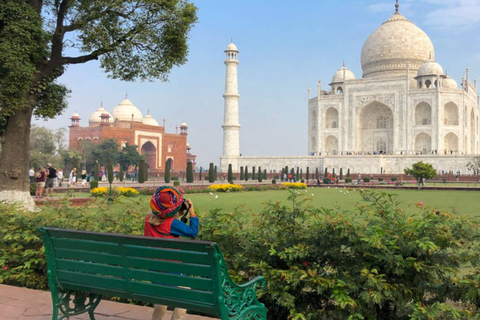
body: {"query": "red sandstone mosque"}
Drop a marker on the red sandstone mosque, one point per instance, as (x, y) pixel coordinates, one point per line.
(126, 124)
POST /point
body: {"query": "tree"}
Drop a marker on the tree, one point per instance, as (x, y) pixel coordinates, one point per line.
(189, 172)
(316, 173)
(308, 173)
(297, 176)
(200, 174)
(474, 165)
(211, 173)
(128, 156)
(110, 171)
(141, 171)
(121, 173)
(167, 171)
(97, 171)
(260, 174)
(254, 176)
(348, 173)
(326, 173)
(47, 146)
(421, 171)
(230, 174)
(107, 149)
(341, 173)
(133, 39)
(301, 174)
(246, 173)
(241, 173)
(215, 174)
(264, 174)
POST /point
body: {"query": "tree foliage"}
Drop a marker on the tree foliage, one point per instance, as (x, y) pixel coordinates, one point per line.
(167, 171)
(241, 174)
(189, 172)
(474, 165)
(260, 174)
(211, 173)
(421, 170)
(110, 171)
(246, 173)
(230, 174)
(128, 156)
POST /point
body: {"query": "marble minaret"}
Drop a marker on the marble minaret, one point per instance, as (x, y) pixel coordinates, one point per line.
(231, 127)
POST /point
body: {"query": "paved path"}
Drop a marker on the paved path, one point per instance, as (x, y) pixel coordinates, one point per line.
(27, 304)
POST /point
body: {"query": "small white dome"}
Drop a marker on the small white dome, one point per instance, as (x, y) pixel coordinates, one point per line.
(125, 110)
(188, 145)
(95, 118)
(450, 83)
(430, 68)
(339, 75)
(148, 120)
(75, 116)
(231, 47)
(183, 125)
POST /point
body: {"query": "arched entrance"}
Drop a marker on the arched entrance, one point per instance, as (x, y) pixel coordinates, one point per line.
(331, 145)
(331, 118)
(423, 143)
(451, 143)
(170, 163)
(375, 128)
(150, 152)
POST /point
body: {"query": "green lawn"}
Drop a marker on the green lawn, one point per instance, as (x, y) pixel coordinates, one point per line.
(465, 202)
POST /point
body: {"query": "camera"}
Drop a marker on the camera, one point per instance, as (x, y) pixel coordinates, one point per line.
(185, 206)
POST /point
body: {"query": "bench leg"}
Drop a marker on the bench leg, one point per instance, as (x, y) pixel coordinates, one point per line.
(73, 303)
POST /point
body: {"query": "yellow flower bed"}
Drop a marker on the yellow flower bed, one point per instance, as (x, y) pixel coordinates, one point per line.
(103, 191)
(294, 185)
(225, 187)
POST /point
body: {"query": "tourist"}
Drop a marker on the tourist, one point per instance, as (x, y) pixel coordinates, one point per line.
(359, 178)
(73, 177)
(40, 181)
(59, 177)
(84, 178)
(31, 174)
(167, 219)
(51, 177)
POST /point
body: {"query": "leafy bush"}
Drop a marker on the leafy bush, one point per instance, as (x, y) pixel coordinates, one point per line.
(380, 179)
(104, 191)
(348, 180)
(375, 262)
(176, 183)
(393, 179)
(93, 184)
(274, 181)
(366, 179)
(302, 181)
(326, 180)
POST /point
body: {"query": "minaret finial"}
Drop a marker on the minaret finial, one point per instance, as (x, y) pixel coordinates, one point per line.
(396, 6)
(148, 111)
(344, 63)
(101, 103)
(126, 95)
(231, 40)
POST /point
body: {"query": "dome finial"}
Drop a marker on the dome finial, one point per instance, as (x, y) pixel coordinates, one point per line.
(344, 63)
(396, 6)
(126, 95)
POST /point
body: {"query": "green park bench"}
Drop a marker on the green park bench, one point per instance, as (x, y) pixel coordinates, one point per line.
(84, 266)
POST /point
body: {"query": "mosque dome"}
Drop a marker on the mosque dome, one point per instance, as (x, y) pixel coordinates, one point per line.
(95, 118)
(341, 73)
(450, 83)
(430, 68)
(125, 110)
(395, 43)
(75, 116)
(148, 120)
(231, 47)
(183, 126)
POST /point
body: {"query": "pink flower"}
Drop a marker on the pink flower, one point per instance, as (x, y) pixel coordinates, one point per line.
(304, 263)
(5, 268)
(421, 203)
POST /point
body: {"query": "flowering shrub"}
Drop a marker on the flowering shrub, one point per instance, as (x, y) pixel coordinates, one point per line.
(294, 185)
(128, 192)
(225, 187)
(99, 192)
(104, 191)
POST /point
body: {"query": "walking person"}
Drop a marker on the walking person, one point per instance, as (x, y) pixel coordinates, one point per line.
(73, 177)
(60, 177)
(40, 181)
(84, 178)
(167, 207)
(51, 177)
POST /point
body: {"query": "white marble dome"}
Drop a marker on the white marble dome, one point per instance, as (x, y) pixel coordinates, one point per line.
(125, 110)
(148, 120)
(395, 43)
(75, 116)
(450, 83)
(341, 73)
(231, 47)
(430, 68)
(184, 125)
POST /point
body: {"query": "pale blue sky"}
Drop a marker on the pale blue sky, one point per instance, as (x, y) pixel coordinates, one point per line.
(285, 47)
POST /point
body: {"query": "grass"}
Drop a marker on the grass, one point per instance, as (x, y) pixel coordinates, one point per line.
(463, 202)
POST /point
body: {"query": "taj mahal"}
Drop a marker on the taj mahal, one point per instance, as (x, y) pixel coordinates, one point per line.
(404, 109)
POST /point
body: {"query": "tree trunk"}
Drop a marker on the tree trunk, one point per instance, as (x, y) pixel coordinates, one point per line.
(15, 160)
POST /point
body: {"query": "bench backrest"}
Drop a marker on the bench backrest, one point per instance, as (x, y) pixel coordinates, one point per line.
(181, 273)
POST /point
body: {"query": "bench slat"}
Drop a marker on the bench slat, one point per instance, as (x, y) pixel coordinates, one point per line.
(89, 256)
(207, 308)
(202, 246)
(95, 281)
(90, 267)
(172, 279)
(169, 266)
(168, 254)
(159, 291)
(76, 244)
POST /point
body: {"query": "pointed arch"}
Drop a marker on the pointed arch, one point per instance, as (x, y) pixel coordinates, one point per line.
(331, 118)
(423, 114)
(450, 114)
(423, 143)
(450, 143)
(331, 145)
